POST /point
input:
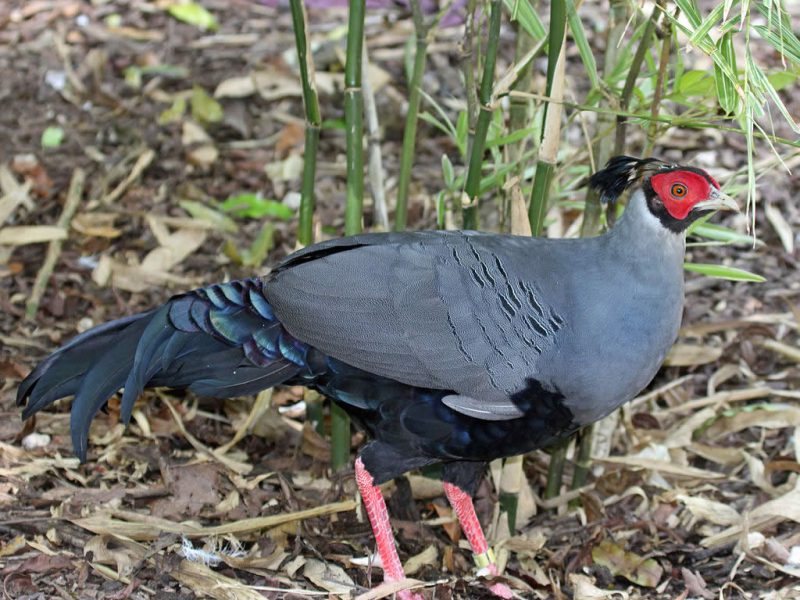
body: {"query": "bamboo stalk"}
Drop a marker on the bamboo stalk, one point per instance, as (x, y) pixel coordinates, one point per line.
(663, 65)
(605, 121)
(555, 472)
(511, 481)
(305, 229)
(630, 80)
(354, 135)
(583, 458)
(421, 31)
(551, 132)
(473, 180)
(74, 195)
(548, 154)
(353, 116)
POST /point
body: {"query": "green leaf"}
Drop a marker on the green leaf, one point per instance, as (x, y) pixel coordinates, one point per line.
(264, 242)
(448, 173)
(254, 206)
(721, 233)
(782, 79)
(726, 90)
(173, 113)
(721, 272)
(209, 215)
(441, 210)
(522, 11)
(696, 83)
(334, 124)
(584, 49)
(462, 132)
(52, 137)
(133, 77)
(204, 108)
(166, 71)
(193, 14)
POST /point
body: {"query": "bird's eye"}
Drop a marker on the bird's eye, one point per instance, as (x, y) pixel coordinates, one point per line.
(678, 190)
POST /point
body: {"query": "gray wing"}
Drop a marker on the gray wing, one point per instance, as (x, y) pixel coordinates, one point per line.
(443, 310)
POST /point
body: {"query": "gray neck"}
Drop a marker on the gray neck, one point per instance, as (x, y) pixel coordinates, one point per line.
(639, 234)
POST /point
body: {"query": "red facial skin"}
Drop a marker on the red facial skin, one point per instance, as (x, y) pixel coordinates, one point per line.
(681, 190)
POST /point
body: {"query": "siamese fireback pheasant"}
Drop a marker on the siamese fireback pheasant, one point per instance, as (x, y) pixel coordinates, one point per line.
(451, 347)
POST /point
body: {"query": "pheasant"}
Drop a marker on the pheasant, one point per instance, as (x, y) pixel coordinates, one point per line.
(451, 347)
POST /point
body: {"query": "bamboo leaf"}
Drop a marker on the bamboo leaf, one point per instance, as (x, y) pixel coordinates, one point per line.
(722, 272)
(579, 35)
(726, 91)
(522, 12)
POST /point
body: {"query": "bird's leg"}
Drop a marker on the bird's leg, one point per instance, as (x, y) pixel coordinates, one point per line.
(381, 528)
(483, 555)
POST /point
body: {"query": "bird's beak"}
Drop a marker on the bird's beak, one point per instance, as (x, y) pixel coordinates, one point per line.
(717, 200)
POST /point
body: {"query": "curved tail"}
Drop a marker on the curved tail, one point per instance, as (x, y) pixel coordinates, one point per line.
(222, 340)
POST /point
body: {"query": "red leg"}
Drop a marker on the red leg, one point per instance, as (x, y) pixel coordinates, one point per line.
(381, 528)
(484, 557)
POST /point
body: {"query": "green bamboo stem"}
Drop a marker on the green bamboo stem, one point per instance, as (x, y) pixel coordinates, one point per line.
(511, 480)
(605, 121)
(519, 108)
(630, 80)
(354, 135)
(582, 459)
(421, 30)
(548, 150)
(472, 185)
(658, 92)
(305, 229)
(353, 116)
(555, 472)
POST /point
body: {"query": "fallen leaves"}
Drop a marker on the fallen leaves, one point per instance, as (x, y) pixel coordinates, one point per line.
(636, 569)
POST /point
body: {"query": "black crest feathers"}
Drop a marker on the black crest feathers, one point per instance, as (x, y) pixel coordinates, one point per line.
(620, 173)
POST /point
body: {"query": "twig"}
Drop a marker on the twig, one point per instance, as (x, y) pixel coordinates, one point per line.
(144, 160)
(74, 195)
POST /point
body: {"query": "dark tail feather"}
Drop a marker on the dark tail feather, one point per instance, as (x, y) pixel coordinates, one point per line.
(214, 341)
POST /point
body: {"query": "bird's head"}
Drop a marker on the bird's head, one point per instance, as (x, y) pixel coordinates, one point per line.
(677, 195)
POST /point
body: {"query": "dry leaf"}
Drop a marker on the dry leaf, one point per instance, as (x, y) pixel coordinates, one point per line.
(714, 512)
(781, 227)
(110, 550)
(690, 355)
(328, 576)
(426, 557)
(207, 582)
(31, 234)
(696, 585)
(585, 589)
(641, 571)
(17, 543)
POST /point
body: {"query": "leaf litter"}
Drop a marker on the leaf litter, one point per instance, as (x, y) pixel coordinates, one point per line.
(694, 492)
